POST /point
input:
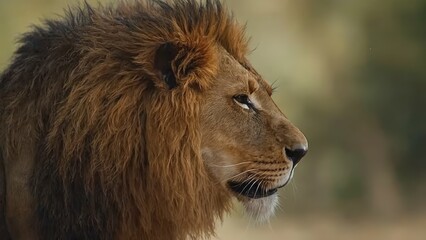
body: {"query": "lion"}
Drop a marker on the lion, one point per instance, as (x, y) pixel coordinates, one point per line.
(141, 120)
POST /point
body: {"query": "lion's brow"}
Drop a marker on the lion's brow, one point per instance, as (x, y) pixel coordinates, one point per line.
(260, 80)
(267, 86)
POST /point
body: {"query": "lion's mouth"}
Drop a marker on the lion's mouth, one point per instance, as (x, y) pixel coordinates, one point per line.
(250, 189)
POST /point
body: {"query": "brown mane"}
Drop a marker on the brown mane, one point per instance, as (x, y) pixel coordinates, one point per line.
(116, 152)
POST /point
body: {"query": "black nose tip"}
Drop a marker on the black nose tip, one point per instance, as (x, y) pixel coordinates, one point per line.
(296, 153)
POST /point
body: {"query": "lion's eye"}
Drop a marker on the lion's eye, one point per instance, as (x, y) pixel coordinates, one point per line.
(244, 101)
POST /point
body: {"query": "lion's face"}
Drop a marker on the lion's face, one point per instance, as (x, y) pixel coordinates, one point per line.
(248, 145)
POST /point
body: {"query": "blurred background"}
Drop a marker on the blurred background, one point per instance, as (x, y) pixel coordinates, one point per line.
(351, 74)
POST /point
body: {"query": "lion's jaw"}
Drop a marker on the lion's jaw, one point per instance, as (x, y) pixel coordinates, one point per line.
(260, 209)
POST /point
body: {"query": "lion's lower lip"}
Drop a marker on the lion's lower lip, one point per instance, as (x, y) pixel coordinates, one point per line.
(250, 189)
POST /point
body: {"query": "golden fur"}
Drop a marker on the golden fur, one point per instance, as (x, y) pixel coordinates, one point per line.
(100, 119)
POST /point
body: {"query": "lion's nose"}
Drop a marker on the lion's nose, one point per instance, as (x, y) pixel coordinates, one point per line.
(296, 153)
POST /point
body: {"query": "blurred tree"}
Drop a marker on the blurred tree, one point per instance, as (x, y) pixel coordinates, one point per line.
(393, 85)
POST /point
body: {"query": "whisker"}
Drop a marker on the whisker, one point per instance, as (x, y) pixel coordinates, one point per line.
(252, 178)
(258, 208)
(294, 184)
(274, 86)
(279, 207)
(253, 185)
(294, 188)
(258, 185)
(239, 174)
(260, 175)
(231, 165)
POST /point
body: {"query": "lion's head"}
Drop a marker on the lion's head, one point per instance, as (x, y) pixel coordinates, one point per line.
(247, 143)
(139, 122)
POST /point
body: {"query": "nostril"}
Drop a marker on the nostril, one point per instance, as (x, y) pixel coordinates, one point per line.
(296, 154)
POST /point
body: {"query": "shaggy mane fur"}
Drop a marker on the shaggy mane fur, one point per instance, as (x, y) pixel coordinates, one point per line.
(116, 149)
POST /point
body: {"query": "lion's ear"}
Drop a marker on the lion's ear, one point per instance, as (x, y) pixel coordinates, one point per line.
(186, 64)
(164, 57)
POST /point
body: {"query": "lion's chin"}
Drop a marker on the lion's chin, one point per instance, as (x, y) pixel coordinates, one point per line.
(258, 201)
(260, 209)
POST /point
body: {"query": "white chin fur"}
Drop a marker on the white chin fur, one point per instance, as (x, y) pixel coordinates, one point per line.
(261, 209)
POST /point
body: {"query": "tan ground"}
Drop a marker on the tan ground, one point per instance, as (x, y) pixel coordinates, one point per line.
(328, 228)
